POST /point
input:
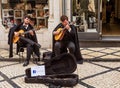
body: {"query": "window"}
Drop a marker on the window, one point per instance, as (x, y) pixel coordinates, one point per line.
(16, 9)
(84, 13)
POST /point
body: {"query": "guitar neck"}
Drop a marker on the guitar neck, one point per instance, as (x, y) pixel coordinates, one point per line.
(27, 32)
(63, 29)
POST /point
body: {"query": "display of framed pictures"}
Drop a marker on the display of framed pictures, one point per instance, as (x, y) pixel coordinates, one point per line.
(40, 13)
(18, 13)
(8, 13)
(41, 22)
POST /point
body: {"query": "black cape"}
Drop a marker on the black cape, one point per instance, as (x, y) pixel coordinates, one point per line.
(77, 53)
(11, 34)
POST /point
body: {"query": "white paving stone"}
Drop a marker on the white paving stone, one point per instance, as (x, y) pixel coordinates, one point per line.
(1, 78)
(107, 80)
(88, 69)
(5, 84)
(91, 73)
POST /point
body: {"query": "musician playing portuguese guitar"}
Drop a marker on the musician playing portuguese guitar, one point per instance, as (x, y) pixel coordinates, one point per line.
(28, 39)
(65, 38)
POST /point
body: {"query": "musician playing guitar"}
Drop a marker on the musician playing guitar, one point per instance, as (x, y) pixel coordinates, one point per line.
(28, 40)
(65, 37)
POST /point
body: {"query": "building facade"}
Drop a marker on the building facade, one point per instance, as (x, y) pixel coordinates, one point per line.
(88, 16)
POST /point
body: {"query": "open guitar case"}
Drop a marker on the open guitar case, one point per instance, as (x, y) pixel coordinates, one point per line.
(59, 72)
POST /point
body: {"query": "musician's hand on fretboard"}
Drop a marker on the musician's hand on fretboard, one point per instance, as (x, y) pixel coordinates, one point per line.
(67, 27)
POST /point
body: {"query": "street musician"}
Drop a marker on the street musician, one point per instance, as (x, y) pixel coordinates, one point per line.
(28, 40)
(65, 38)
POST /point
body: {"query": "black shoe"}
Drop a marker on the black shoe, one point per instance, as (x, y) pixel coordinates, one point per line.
(38, 59)
(10, 56)
(80, 61)
(21, 50)
(26, 63)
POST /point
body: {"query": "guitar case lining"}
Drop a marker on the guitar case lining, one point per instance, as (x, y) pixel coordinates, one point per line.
(58, 72)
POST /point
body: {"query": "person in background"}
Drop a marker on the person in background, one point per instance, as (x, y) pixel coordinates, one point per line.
(108, 12)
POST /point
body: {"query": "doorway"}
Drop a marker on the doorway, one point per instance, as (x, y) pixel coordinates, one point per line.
(110, 18)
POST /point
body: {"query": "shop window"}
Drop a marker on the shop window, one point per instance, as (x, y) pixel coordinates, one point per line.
(85, 15)
(8, 18)
(16, 9)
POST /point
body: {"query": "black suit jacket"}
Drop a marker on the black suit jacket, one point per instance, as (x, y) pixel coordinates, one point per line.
(11, 34)
(74, 39)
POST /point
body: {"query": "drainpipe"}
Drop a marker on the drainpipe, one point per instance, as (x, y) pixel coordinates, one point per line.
(68, 9)
(1, 15)
(99, 17)
(51, 25)
(3, 39)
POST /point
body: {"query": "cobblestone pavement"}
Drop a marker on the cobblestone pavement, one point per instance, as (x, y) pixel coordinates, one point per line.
(101, 69)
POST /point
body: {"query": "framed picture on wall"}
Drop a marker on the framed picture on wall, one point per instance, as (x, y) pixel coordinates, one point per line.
(18, 13)
(7, 12)
(40, 13)
(41, 22)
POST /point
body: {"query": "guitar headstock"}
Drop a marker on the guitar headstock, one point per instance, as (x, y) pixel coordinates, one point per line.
(71, 23)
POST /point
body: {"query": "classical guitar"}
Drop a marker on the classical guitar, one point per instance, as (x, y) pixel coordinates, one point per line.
(61, 32)
(21, 33)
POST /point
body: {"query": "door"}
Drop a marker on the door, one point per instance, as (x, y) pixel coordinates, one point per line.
(111, 18)
(86, 14)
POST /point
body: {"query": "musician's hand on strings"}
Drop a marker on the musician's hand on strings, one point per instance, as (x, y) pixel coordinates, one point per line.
(31, 32)
(16, 33)
(56, 32)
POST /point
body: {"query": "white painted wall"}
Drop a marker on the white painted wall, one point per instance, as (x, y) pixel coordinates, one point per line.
(3, 35)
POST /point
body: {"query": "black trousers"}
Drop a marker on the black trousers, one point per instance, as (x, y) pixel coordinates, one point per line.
(61, 45)
(108, 15)
(31, 47)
